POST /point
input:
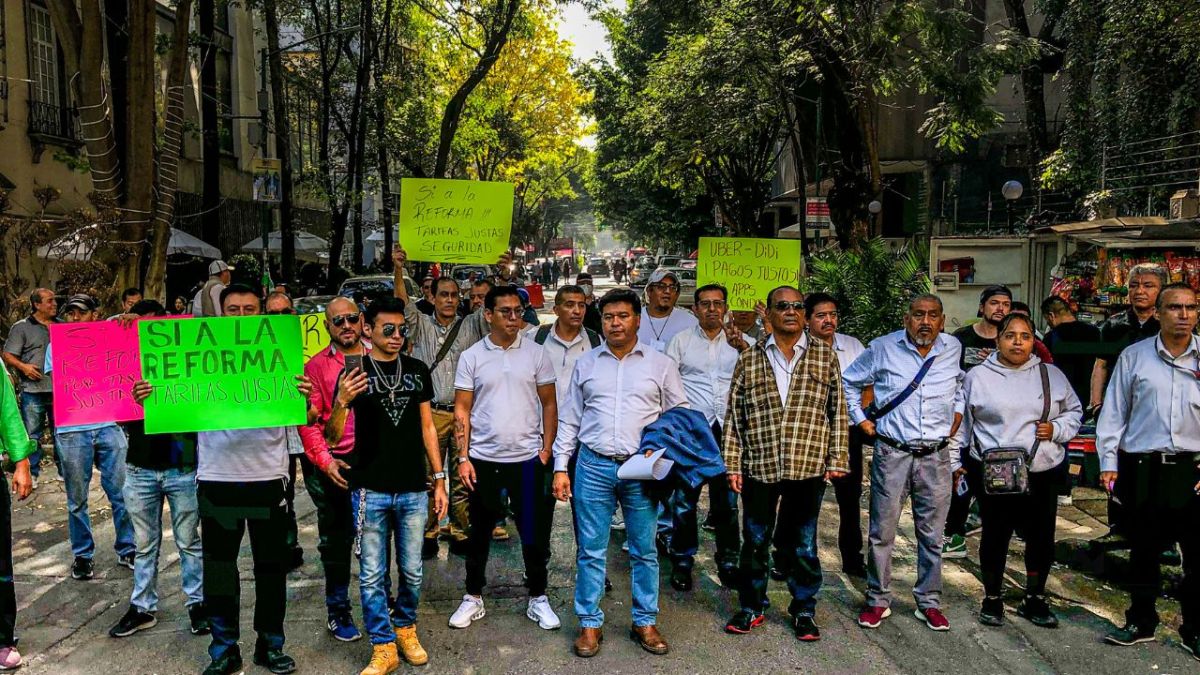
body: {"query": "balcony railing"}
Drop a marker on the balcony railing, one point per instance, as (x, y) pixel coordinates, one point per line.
(53, 122)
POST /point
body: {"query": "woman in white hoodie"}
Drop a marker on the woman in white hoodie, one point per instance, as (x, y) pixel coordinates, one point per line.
(1001, 402)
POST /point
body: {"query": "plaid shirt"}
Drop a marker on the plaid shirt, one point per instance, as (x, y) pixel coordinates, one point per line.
(770, 442)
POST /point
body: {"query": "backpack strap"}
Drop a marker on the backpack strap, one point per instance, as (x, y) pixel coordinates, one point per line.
(891, 405)
(1045, 372)
(593, 337)
(542, 334)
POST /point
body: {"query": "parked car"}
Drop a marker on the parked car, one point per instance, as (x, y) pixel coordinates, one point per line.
(376, 285)
(641, 272)
(462, 274)
(597, 267)
(688, 263)
(669, 260)
(687, 285)
(313, 304)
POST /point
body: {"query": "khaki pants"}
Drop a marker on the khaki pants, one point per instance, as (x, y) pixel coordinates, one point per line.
(443, 421)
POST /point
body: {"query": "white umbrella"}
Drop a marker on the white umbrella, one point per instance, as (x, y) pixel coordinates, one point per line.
(77, 246)
(308, 246)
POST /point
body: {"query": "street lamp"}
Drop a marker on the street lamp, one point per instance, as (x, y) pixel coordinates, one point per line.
(1012, 191)
(875, 207)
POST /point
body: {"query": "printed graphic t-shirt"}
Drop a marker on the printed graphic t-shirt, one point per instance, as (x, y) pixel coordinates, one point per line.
(389, 451)
(975, 349)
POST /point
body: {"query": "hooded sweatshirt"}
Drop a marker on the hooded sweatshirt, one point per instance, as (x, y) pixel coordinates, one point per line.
(1001, 408)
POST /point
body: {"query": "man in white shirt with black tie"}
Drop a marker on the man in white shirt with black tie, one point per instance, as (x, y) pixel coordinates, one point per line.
(615, 391)
(1148, 434)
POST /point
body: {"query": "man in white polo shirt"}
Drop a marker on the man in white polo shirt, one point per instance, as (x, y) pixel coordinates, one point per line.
(661, 319)
(505, 419)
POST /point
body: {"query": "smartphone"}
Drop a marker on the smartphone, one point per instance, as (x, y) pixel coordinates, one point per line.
(354, 362)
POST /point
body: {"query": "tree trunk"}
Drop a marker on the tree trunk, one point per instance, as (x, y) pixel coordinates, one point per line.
(210, 216)
(385, 181)
(139, 187)
(168, 160)
(867, 111)
(1032, 89)
(283, 144)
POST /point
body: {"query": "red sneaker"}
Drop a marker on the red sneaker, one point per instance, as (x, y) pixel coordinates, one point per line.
(871, 617)
(933, 618)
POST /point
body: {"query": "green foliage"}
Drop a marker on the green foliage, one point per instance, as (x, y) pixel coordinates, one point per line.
(872, 284)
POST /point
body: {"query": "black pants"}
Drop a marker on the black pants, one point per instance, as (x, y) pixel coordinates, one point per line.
(8, 591)
(1163, 507)
(722, 513)
(227, 510)
(848, 490)
(335, 533)
(529, 494)
(293, 531)
(1035, 514)
(761, 503)
(960, 505)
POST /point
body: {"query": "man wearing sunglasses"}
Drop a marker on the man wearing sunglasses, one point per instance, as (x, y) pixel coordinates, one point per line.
(438, 341)
(661, 319)
(505, 419)
(328, 487)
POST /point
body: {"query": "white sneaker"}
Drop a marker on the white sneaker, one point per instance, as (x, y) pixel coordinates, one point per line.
(470, 610)
(1065, 500)
(539, 610)
(618, 521)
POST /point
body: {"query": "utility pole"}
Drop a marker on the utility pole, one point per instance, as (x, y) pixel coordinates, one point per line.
(283, 143)
(210, 218)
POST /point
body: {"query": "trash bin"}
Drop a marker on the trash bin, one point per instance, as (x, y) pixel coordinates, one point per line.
(537, 299)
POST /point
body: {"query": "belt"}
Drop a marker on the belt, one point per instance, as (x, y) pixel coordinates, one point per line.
(609, 458)
(917, 450)
(1172, 458)
(443, 407)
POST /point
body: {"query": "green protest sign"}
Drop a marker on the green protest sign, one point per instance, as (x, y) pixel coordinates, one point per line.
(457, 221)
(748, 267)
(235, 372)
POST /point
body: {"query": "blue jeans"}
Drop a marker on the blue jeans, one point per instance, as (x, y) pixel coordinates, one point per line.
(144, 492)
(37, 413)
(379, 514)
(104, 449)
(597, 491)
(762, 504)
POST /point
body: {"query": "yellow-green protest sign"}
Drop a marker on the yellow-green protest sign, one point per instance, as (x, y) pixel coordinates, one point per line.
(749, 268)
(456, 221)
(233, 372)
(313, 335)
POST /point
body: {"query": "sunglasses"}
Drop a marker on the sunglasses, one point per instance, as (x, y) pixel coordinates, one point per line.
(390, 329)
(288, 310)
(783, 306)
(341, 319)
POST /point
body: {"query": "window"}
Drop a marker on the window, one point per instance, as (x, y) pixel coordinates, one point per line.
(43, 58)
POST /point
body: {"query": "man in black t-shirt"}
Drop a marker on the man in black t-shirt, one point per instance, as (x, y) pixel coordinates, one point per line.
(394, 436)
(1072, 342)
(979, 339)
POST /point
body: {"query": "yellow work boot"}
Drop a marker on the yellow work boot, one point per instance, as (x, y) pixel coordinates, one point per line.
(410, 646)
(383, 661)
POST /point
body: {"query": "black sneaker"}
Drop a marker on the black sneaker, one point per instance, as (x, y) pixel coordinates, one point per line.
(855, 567)
(429, 549)
(743, 622)
(198, 617)
(709, 525)
(1037, 611)
(83, 569)
(1130, 634)
(663, 541)
(274, 660)
(228, 663)
(607, 585)
(777, 573)
(458, 547)
(126, 561)
(991, 613)
(133, 621)
(1190, 641)
(681, 580)
(806, 629)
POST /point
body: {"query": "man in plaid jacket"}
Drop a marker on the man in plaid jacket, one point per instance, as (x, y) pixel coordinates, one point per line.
(785, 435)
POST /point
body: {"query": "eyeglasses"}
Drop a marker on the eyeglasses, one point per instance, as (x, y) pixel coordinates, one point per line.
(509, 312)
(286, 310)
(712, 304)
(670, 288)
(341, 319)
(390, 329)
(784, 305)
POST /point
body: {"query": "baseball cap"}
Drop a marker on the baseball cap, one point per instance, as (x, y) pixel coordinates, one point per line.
(582, 277)
(80, 301)
(997, 289)
(217, 266)
(660, 274)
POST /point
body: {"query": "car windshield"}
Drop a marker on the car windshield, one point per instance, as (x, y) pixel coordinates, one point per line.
(367, 287)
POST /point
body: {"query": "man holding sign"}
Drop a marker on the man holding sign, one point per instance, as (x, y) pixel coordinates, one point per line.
(101, 445)
(456, 221)
(242, 484)
(750, 268)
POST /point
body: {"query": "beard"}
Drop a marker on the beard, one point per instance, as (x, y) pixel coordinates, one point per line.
(922, 341)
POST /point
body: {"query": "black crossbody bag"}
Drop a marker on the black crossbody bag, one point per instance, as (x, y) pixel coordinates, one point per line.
(1006, 470)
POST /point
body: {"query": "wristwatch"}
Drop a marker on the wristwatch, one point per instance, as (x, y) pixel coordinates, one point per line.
(440, 475)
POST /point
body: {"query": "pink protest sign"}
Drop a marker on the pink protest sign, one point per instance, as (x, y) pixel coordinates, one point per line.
(94, 366)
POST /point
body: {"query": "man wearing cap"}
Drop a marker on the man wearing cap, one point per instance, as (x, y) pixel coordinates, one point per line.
(25, 353)
(208, 300)
(102, 445)
(661, 320)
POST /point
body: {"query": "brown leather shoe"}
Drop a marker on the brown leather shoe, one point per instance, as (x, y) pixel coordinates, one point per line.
(588, 643)
(649, 639)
